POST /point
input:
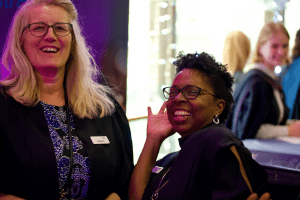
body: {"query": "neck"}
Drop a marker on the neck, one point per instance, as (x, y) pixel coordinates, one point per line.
(51, 85)
(269, 66)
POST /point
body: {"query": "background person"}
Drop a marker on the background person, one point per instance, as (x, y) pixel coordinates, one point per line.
(206, 167)
(260, 110)
(49, 97)
(235, 54)
(290, 77)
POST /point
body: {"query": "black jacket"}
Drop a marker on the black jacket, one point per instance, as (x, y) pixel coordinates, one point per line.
(28, 166)
(205, 168)
(255, 104)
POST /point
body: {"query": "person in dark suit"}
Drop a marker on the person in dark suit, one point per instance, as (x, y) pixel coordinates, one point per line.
(260, 110)
(212, 163)
(290, 77)
(62, 135)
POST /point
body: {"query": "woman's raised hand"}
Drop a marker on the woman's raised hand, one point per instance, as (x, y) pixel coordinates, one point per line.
(158, 126)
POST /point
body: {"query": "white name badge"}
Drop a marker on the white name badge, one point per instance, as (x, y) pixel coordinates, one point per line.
(157, 169)
(99, 140)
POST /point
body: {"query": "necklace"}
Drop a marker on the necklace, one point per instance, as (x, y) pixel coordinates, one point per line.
(155, 194)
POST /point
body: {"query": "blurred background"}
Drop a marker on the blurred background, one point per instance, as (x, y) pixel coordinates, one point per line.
(135, 42)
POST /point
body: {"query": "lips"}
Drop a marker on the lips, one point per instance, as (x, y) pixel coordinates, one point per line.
(181, 115)
(49, 49)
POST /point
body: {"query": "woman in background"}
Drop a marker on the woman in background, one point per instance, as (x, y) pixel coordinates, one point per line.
(235, 54)
(62, 135)
(290, 77)
(260, 110)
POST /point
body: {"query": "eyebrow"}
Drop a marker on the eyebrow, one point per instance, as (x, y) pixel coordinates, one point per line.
(41, 22)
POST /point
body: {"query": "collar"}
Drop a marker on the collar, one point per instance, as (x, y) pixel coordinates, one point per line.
(182, 140)
(266, 70)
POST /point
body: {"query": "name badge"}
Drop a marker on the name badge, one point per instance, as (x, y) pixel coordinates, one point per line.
(100, 140)
(157, 169)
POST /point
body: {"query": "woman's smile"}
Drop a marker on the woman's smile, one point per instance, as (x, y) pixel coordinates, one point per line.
(181, 115)
(189, 115)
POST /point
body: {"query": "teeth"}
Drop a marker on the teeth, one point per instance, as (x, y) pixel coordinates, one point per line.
(49, 49)
(181, 112)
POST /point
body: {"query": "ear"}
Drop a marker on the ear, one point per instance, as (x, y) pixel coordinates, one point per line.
(220, 105)
(259, 50)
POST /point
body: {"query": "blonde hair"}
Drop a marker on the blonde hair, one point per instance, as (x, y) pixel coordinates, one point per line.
(266, 32)
(86, 97)
(236, 51)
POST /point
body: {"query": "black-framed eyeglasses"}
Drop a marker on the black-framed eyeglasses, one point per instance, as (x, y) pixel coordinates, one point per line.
(189, 92)
(41, 29)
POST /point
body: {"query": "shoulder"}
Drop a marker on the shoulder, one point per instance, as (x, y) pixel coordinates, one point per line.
(166, 160)
(296, 61)
(119, 112)
(252, 81)
(288, 72)
(254, 75)
(5, 98)
(3, 91)
(217, 136)
(7, 101)
(283, 72)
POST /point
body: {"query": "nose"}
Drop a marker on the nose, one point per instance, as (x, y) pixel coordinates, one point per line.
(50, 35)
(282, 50)
(180, 96)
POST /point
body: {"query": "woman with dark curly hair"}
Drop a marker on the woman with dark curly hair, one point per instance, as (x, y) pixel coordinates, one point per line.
(212, 163)
(291, 81)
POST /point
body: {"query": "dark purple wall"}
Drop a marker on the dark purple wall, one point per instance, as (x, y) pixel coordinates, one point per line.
(105, 26)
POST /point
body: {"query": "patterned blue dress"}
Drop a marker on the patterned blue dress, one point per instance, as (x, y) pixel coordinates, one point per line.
(57, 122)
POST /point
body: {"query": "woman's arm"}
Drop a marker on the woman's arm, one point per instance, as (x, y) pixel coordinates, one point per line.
(9, 197)
(158, 129)
(271, 131)
(113, 196)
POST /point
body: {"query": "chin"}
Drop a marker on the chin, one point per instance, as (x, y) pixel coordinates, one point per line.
(184, 132)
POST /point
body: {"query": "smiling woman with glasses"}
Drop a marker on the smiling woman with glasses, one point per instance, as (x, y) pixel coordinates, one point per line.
(62, 134)
(212, 163)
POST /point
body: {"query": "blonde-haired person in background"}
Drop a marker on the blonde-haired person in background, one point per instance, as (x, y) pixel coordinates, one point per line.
(260, 110)
(49, 97)
(235, 54)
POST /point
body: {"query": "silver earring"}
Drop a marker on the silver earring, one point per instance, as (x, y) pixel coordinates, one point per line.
(216, 119)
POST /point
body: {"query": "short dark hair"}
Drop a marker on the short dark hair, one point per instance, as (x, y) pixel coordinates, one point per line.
(220, 79)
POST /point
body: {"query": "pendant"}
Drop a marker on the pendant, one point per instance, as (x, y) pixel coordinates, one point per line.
(154, 196)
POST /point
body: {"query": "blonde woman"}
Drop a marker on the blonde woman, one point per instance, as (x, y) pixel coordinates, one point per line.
(236, 53)
(260, 110)
(49, 97)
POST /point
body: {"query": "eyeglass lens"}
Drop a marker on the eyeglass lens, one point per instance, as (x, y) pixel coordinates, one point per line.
(188, 92)
(41, 29)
